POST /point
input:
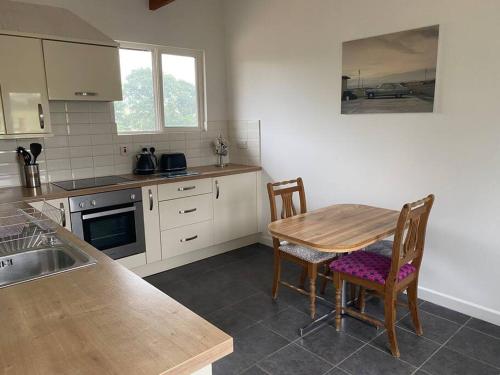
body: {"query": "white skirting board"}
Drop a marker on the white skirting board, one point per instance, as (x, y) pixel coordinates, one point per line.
(193, 256)
(454, 303)
(204, 371)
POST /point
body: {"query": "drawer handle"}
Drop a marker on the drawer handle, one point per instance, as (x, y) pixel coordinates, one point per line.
(150, 200)
(85, 93)
(189, 238)
(186, 188)
(187, 211)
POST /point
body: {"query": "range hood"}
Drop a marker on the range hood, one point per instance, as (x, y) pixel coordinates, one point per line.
(48, 22)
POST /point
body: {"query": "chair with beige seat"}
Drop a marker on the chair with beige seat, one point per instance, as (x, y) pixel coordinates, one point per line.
(311, 260)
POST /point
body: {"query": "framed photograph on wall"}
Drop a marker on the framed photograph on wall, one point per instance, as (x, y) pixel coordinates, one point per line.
(391, 73)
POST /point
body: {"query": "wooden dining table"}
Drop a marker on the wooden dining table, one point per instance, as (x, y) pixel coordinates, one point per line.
(341, 228)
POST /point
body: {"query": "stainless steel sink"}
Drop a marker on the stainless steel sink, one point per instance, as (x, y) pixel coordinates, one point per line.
(41, 262)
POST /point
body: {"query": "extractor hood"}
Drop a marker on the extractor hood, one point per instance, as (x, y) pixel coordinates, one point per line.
(48, 22)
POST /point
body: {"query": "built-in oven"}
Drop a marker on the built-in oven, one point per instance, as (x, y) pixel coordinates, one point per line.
(112, 222)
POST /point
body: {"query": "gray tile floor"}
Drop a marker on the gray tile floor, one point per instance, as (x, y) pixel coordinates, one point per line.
(232, 291)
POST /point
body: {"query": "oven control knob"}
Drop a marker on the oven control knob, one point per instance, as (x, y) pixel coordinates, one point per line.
(93, 202)
(82, 204)
(132, 196)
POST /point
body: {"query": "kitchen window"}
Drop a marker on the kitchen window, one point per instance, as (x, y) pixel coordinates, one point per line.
(163, 89)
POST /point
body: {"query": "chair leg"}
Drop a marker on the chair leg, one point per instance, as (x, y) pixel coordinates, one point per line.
(277, 273)
(325, 280)
(303, 276)
(413, 305)
(338, 299)
(352, 293)
(390, 322)
(362, 299)
(313, 275)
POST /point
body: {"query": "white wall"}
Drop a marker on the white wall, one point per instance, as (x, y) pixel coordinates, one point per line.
(196, 24)
(284, 68)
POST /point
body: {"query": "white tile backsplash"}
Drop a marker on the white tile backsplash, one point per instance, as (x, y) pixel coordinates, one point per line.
(85, 144)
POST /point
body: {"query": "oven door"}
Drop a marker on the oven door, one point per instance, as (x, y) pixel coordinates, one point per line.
(117, 231)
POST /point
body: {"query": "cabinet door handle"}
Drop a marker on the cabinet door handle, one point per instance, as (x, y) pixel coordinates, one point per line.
(189, 238)
(63, 214)
(217, 190)
(41, 116)
(85, 93)
(150, 200)
(187, 211)
(186, 188)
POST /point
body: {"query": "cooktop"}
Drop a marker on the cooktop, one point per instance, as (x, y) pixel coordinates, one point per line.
(86, 183)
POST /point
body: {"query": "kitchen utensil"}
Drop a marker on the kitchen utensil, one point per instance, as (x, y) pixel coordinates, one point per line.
(36, 150)
(145, 163)
(32, 175)
(24, 154)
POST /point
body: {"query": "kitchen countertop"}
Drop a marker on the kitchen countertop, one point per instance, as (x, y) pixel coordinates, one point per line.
(49, 191)
(102, 319)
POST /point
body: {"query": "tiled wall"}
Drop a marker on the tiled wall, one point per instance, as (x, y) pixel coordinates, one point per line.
(85, 144)
(244, 142)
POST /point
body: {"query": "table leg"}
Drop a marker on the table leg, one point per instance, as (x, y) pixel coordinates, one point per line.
(326, 317)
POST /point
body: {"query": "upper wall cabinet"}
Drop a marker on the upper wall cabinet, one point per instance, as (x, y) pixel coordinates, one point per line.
(78, 71)
(23, 88)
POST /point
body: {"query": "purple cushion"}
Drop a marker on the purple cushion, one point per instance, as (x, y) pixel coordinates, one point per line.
(369, 266)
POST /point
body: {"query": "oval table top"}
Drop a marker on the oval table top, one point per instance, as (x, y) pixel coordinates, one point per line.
(339, 228)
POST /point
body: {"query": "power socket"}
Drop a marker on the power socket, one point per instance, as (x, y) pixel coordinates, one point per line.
(123, 150)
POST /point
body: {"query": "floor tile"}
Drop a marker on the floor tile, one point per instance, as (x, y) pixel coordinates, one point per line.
(354, 327)
(294, 360)
(448, 362)
(371, 361)
(260, 306)
(230, 320)
(250, 346)
(435, 328)
(287, 322)
(337, 371)
(485, 327)
(254, 370)
(414, 349)
(301, 302)
(444, 312)
(330, 345)
(375, 307)
(476, 345)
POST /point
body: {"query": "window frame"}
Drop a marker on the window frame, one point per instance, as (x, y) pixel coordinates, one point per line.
(156, 55)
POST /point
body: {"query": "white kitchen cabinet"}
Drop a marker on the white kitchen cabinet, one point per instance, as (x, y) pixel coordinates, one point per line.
(184, 211)
(61, 204)
(182, 240)
(23, 87)
(184, 189)
(78, 71)
(235, 206)
(151, 223)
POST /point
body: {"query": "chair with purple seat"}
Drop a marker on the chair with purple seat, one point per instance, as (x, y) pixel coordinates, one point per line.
(388, 276)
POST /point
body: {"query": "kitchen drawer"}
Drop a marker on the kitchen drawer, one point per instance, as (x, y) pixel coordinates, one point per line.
(185, 239)
(184, 189)
(184, 211)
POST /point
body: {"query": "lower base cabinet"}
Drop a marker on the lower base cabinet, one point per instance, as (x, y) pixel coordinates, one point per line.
(184, 217)
(235, 206)
(185, 239)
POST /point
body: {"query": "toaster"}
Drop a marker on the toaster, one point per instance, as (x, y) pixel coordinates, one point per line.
(173, 162)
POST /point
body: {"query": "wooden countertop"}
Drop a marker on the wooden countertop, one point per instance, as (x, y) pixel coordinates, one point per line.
(101, 319)
(49, 191)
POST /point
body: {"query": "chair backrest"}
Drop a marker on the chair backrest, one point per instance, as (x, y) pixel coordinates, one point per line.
(286, 193)
(409, 238)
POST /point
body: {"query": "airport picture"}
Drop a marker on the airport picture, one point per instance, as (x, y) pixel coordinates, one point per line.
(391, 73)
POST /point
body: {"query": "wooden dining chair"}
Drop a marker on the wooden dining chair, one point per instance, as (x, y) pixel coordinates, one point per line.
(388, 276)
(311, 260)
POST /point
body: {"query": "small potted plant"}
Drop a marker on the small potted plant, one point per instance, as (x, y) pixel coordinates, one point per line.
(221, 149)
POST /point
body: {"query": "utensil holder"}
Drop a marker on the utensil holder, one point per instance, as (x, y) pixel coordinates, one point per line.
(32, 175)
